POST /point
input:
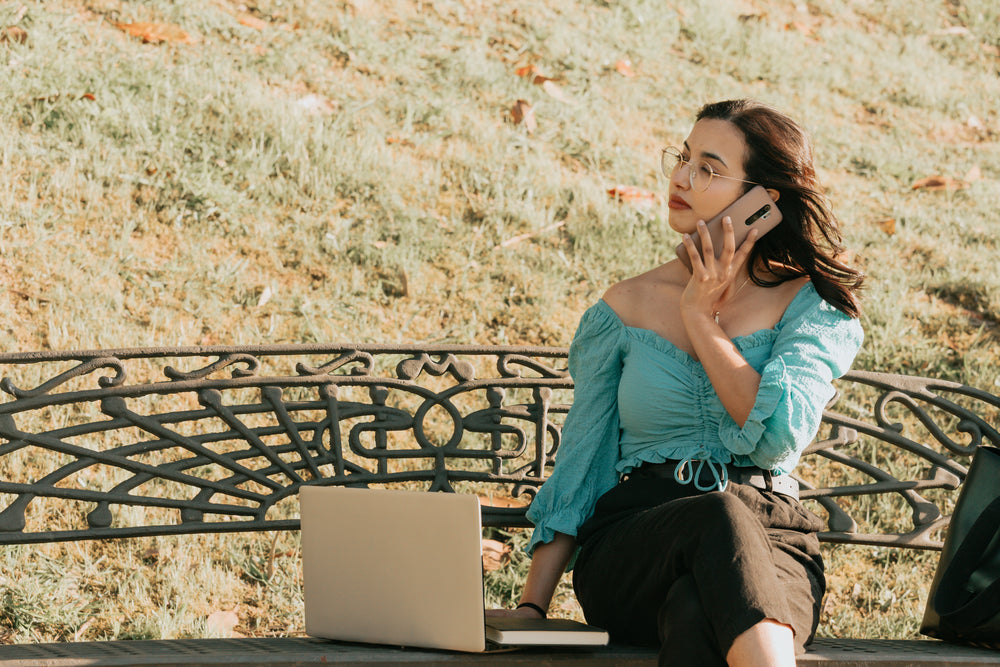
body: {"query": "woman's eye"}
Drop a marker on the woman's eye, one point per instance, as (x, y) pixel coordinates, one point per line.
(704, 169)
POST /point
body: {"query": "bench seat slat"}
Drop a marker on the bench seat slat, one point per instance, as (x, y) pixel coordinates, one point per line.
(289, 651)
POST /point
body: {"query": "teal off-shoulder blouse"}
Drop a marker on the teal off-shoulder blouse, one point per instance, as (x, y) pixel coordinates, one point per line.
(639, 399)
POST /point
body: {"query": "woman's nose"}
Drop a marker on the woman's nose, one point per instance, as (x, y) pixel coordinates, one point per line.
(681, 177)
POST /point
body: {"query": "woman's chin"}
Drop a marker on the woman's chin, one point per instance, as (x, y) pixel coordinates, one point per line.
(683, 222)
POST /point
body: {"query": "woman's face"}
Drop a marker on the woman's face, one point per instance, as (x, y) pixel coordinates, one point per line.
(721, 144)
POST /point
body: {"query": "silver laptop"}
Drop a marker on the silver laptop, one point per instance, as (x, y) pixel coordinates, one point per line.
(405, 568)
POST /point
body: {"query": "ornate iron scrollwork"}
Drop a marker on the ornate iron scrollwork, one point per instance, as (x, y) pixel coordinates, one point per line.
(216, 439)
(201, 450)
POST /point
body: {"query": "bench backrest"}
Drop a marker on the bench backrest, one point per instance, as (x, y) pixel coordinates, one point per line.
(122, 443)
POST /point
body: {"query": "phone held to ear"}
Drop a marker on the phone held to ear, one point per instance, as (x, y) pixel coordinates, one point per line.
(754, 210)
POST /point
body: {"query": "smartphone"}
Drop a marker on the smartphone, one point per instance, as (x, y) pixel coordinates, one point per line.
(754, 210)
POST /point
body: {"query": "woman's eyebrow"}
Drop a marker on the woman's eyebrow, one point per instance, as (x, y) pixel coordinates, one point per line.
(711, 156)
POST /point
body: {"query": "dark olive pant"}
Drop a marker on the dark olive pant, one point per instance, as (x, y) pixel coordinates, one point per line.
(690, 573)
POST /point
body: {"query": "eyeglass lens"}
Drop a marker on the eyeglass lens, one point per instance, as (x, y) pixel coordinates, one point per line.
(700, 173)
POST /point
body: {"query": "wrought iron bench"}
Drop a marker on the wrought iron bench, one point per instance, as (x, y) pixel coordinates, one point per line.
(125, 443)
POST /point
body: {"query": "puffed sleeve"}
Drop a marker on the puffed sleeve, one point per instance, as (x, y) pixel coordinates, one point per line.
(585, 461)
(815, 345)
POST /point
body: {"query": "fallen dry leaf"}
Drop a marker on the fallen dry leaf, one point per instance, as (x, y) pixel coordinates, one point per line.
(495, 554)
(800, 27)
(973, 174)
(938, 183)
(555, 92)
(265, 296)
(223, 622)
(536, 77)
(526, 71)
(52, 99)
(887, 225)
(13, 35)
(251, 21)
(502, 501)
(632, 195)
(156, 33)
(523, 112)
(624, 67)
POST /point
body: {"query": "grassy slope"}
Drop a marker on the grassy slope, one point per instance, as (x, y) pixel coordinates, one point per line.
(349, 171)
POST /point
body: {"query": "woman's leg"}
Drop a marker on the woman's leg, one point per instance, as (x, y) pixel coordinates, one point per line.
(686, 636)
(626, 573)
(767, 644)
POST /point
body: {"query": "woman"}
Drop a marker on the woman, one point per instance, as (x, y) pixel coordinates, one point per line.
(696, 392)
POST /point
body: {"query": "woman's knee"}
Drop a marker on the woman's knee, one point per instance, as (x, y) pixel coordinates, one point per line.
(720, 511)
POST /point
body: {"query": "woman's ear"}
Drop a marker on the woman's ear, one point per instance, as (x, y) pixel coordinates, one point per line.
(774, 194)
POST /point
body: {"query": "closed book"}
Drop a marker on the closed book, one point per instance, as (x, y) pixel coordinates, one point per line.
(514, 631)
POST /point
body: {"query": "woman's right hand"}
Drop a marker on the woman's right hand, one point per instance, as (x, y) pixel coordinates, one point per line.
(547, 565)
(713, 278)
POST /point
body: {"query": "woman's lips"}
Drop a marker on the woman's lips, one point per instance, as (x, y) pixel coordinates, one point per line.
(677, 204)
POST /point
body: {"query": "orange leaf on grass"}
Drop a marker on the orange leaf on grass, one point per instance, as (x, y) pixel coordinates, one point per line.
(887, 225)
(223, 622)
(801, 27)
(501, 501)
(532, 71)
(630, 194)
(251, 21)
(156, 33)
(13, 35)
(939, 183)
(495, 553)
(555, 92)
(547, 83)
(526, 71)
(624, 67)
(523, 112)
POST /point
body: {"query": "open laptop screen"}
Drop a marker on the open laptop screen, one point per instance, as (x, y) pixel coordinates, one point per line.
(393, 567)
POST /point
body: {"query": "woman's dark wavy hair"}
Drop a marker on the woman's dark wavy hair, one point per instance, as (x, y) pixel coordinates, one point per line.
(807, 241)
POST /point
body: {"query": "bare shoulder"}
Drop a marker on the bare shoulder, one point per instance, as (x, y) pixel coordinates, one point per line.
(632, 297)
(620, 294)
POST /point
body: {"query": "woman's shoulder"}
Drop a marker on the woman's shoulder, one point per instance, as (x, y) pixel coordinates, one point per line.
(631, 296)
(811, 317)
(808, 304)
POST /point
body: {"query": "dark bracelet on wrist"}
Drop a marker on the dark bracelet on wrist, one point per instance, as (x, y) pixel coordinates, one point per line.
(532, 605)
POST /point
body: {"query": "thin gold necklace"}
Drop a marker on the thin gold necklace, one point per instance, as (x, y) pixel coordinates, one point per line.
(738, 289)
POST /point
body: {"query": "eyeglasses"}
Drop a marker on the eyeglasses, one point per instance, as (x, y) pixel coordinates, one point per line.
(700, 172)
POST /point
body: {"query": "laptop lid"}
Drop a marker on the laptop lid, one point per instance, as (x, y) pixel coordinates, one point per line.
(393, 567)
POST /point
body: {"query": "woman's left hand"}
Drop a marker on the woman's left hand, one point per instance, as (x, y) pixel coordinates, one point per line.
(712, 279)
(520, 612)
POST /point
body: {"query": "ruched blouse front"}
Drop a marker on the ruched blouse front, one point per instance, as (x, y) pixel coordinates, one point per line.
(639, 398)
